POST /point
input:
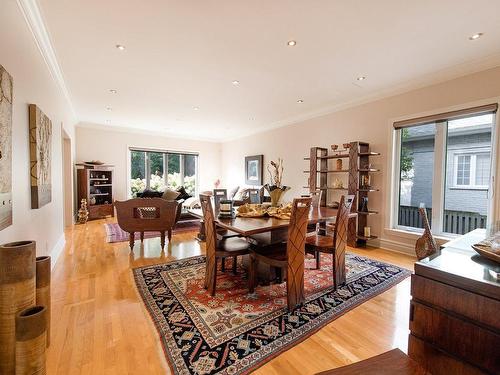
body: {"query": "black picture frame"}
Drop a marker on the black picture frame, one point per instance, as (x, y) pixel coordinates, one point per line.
(254, 169)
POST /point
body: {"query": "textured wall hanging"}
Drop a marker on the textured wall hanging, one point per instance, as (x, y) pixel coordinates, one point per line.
(6, 87)
(40, 157)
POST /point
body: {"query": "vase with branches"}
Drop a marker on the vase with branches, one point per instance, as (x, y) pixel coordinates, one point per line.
(275, 188)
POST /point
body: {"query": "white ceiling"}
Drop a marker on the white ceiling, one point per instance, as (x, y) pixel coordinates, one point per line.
(185, 54)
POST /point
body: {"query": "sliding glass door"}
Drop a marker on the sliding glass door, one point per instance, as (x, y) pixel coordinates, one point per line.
(157, 170)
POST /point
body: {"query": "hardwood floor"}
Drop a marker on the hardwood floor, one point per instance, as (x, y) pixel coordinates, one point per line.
(99, 325)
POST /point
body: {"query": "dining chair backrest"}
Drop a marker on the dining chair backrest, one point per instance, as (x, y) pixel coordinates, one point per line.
(219, 195)
(254, 196)
(209, 222)
(295, 248)
(316, 198)
(341, 223)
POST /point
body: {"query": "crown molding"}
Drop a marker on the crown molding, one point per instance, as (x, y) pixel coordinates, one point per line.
(34, 20)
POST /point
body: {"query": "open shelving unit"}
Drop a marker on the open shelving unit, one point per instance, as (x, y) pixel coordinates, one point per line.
(320, 173)
(95, 184)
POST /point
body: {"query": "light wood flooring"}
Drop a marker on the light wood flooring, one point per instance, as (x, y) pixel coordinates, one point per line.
(99, 325)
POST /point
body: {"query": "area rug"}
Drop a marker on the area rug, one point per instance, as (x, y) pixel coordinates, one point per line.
(235, 332)
(116, 234)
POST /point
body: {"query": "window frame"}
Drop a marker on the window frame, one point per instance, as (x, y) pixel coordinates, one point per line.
(439, 181)
(165, 166)
(472, 171)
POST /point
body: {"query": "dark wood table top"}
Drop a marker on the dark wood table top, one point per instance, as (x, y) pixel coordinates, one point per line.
(459, 265)
(393, 362)
(250, 226)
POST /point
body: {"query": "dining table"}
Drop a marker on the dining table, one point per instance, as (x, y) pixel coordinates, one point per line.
(276, 230)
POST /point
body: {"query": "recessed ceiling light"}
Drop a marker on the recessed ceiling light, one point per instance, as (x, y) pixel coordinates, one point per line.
(113, 91)
(235, 83)
(109, 109)
(120, 47)
(475, 36)
(292, 43)
(361, 78)
(196, 108)
(300, 101)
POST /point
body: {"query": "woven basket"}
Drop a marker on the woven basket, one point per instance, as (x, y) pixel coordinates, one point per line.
(31, 341)
(17, 292)
(43, 288)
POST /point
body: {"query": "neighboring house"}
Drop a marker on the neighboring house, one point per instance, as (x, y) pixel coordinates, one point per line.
(467, 166)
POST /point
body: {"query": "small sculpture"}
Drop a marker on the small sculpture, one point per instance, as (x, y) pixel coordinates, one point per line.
(364, 204)
(83, 212)
(426, 245)
(339, 164)
(338, 184)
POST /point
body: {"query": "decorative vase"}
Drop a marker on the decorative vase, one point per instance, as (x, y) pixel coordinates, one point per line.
(17, 292)
(276, 193)
(43, 288)
(31, 341)
(339, 164)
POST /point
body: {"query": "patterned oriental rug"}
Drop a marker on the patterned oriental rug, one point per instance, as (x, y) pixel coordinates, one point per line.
(116, 234)
(235, 332)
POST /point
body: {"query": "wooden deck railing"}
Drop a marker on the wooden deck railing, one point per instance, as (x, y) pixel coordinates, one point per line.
(458, 222)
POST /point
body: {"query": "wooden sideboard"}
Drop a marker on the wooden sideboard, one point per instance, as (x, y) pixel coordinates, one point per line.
(455, 311)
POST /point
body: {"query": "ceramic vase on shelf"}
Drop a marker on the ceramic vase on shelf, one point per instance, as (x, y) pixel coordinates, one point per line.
(276, 193)
(17, 291)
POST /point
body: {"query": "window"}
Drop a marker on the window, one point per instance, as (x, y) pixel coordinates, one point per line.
(158, 170)
(472, 170)
(444, 165)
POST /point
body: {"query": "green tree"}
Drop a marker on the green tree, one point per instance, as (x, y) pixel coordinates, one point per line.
(406, 160)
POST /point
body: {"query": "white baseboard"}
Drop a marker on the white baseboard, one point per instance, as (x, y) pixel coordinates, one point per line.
(399, 247)
(57, 250)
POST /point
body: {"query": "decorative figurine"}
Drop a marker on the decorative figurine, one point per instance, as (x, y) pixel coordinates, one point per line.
(364, 204)
(83, 212)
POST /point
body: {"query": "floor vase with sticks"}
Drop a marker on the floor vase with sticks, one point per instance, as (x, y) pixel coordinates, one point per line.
(17, 292)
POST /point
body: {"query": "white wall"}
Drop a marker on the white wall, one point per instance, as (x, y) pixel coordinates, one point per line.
(33, 83)
(111, 146)
(371, 122)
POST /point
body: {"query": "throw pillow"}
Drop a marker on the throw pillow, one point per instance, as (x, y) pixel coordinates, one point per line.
(183, 194)
(170, 195)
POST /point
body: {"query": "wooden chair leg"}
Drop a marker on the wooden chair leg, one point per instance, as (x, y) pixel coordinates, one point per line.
(318, 259)
(252, 270)
(334, 273)
(213, 281)
(223, 265)
(131, 240)
(142, 237)
(169, 234)
(235, 264)
(162, 240)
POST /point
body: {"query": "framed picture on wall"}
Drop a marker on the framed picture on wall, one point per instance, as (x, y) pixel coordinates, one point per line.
(254, 169)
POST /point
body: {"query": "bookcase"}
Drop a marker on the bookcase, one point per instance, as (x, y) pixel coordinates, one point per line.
(354, 161)
(95, 184)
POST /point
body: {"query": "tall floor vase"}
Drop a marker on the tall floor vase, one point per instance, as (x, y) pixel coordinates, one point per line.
(31, 341)
(17, 292)
(43, 288)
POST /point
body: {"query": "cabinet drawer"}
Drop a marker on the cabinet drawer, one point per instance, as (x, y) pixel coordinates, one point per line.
(436, 361)
(462, 339)
(475, 307)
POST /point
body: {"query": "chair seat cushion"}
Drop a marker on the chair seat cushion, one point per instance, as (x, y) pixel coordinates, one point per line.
(324, 243)
(232, 245)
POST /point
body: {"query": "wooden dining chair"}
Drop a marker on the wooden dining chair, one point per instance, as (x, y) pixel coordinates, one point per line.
(218, 249)
(288, 256)
(315, 204)
(333, 244)
(254, 196)
(219, 195)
